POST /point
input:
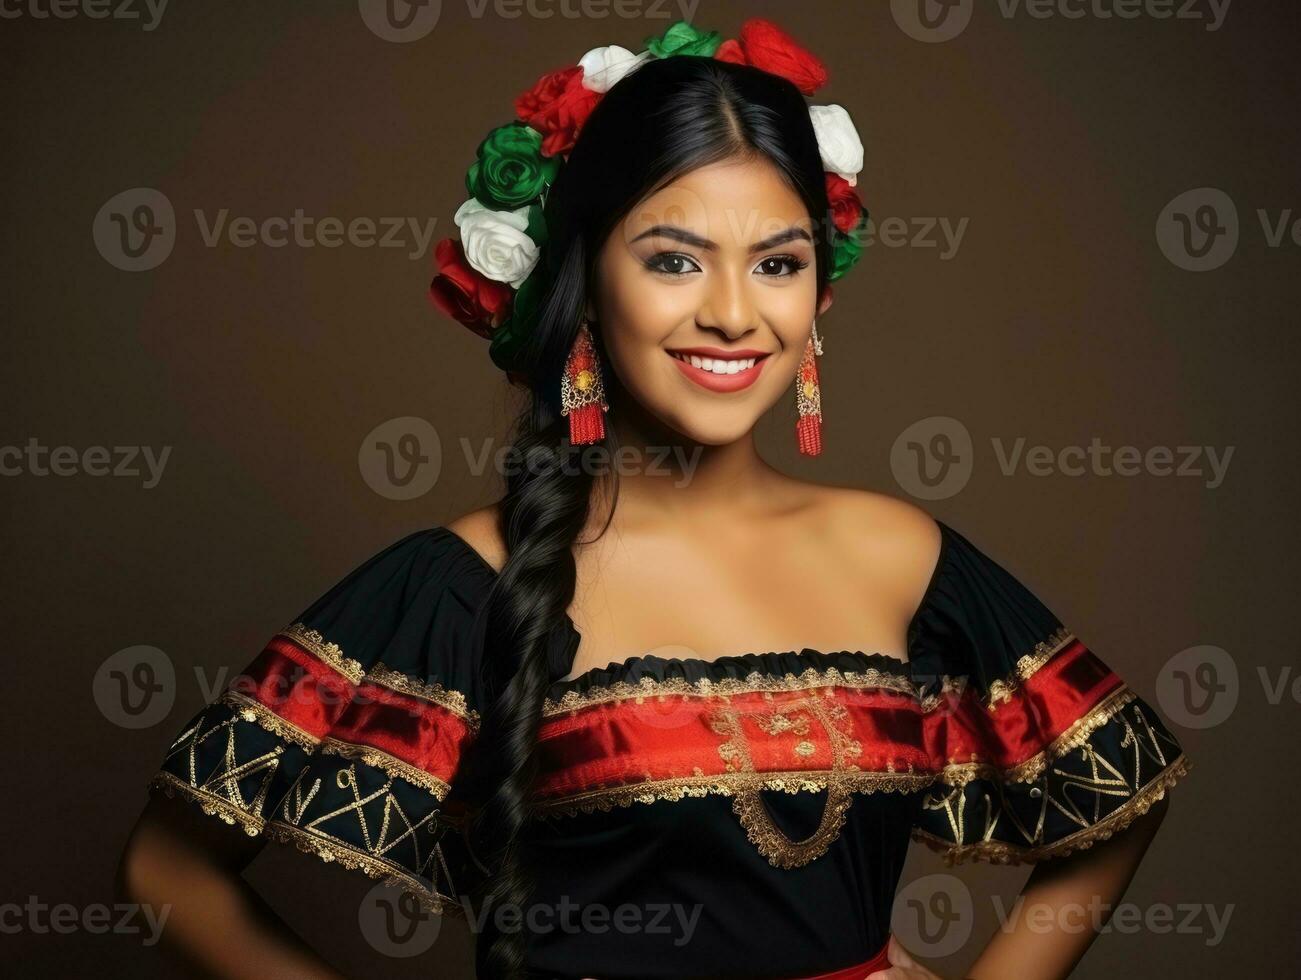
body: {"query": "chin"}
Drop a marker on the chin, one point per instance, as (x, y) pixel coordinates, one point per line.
(719, 432)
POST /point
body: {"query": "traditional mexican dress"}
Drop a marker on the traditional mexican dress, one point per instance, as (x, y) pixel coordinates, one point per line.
(767, 799)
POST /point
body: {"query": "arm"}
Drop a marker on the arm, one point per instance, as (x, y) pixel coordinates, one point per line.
(188, 866)
(1069, 889)
(1053, 922)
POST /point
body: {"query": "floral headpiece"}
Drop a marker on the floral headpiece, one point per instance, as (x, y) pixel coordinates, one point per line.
(485, 281)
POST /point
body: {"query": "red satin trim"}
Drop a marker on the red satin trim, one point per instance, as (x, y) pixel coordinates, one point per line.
(426, 736)
(859, 970)
(652, 737)
(1038, 711)
(296, 685)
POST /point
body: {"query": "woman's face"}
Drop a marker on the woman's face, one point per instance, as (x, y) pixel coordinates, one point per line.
(705, 298)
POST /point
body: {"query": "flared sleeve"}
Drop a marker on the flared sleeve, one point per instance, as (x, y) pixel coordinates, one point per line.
(1040, 748)
(343, 736)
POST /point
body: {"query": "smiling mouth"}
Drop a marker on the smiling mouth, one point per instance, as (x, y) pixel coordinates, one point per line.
(717, 365)
(719, 371)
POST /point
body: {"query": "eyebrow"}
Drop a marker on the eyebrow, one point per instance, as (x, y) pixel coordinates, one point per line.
(792, 233)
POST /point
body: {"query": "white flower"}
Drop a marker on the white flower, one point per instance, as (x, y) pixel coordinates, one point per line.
(602, 67)
(838, 142)
(496, 242)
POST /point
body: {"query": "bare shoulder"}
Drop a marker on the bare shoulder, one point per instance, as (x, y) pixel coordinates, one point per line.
(891, 539)
(481, 531)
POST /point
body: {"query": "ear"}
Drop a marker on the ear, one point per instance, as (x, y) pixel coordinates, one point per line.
(825, 303)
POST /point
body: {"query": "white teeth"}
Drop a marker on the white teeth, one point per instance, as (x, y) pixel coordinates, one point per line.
(717, 365)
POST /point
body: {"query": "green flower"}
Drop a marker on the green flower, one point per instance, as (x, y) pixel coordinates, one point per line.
(847, 248)
(511, 170)
(682, 38)
(509, 338)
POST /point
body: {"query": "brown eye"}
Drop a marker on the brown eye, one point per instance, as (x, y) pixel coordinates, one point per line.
(779, 266)
(672, 263)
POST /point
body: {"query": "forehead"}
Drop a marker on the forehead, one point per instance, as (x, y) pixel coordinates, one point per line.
(732, 202)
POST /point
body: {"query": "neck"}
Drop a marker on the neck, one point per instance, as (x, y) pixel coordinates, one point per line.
(662, 475)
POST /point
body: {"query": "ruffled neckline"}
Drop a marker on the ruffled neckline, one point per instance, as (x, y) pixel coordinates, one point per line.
(775, 663)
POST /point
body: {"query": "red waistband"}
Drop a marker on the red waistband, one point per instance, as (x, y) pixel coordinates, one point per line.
(859, 970)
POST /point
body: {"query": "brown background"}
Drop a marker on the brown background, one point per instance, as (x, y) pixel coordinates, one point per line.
(1058, 320)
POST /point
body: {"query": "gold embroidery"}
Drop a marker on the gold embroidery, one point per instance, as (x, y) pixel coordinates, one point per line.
(706, 687)
(747, 801)
(1000, 852)
(212, 805)
(433, 692)
(255, 711)
(391, 765)
(330, 653)
(218, 791)
(381, 834)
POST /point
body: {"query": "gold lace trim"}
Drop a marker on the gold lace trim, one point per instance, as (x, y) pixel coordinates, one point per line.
(961, 773)
(748, 803)
(431, 691)
(391, 765)
(706, 687)
(1001, 689)
(334, 851)
(330, 653)
(212, 805)
(999, 852)
(729, 784)
(251, 710)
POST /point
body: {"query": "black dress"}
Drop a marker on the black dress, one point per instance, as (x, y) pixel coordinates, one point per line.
(744, 817)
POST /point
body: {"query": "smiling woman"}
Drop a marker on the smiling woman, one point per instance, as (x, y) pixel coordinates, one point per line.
(706, 709)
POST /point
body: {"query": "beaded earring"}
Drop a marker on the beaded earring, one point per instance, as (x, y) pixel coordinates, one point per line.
(582, 393)
(808, 398)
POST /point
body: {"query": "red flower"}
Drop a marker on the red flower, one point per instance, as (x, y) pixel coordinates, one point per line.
(767, 47)
(557, 106)
(464, 294)
(730, 50)
(846, 208)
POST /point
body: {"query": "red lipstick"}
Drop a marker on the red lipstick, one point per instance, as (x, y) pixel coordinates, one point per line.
(715, 381)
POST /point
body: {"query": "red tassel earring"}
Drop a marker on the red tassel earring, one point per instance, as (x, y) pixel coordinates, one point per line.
(582, 393)
(808, 398)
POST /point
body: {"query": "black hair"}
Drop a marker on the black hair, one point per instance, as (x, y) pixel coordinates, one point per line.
(666, 118)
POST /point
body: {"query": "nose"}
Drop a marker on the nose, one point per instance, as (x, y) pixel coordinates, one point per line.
(728, 307)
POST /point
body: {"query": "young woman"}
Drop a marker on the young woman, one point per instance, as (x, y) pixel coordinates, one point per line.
(681, 711)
